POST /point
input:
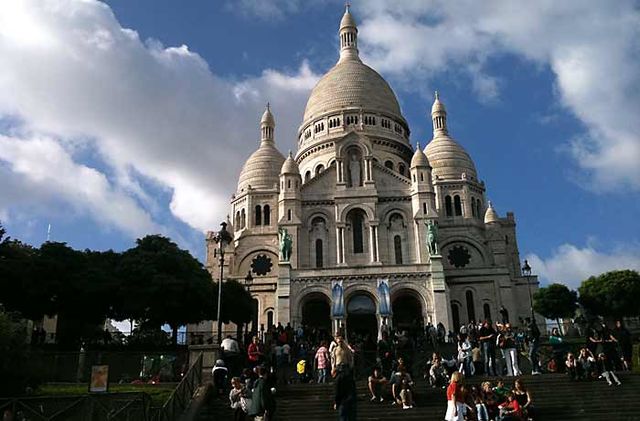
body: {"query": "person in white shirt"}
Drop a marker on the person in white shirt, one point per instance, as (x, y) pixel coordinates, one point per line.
(230, 345)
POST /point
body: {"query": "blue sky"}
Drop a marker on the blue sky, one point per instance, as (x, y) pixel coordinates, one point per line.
(123, 118)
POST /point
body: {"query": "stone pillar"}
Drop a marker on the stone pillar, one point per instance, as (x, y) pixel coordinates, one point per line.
(441, 305)
(340, 249)
(283, 310)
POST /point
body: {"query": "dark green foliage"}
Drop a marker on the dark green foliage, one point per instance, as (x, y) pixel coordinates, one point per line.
(237, 305)
(555, 301)
(612, 294)
(16, 369)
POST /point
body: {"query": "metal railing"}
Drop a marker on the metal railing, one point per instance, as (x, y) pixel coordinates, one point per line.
(183, 393)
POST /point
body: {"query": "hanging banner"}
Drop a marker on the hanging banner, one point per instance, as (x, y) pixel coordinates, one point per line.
(337, 299)
(384, 297)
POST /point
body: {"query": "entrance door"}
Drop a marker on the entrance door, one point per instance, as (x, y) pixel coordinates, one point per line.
(316, 314)
(362, 323)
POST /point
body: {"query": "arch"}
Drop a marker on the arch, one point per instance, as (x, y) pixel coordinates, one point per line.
(238, 220)
(319, 169)
(243, 218)
(361, 315)
(307, 176)
(479, 208)
(457, 205)
(467, 241)
(455, 316)
(353, 140)
(402, 169)
(388, 164)
(288, 214)
(473, 207)
(365, 208)
(397, 248)
(270, 318)
(258, 216)
(315, 310)
(356, 218)
(407, 310)
(254, 321)
(471, 308)
(319, 254)
(266, 211)
(448, 206)
(486, 309)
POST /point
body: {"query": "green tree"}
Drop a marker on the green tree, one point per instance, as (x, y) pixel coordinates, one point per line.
(163, 284)
(555, 302)
(237, 304)
(17, 368)
(612, 294)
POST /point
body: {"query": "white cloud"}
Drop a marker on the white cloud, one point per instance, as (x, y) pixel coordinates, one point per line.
(570, 265)
(72, 74)
(591, 47)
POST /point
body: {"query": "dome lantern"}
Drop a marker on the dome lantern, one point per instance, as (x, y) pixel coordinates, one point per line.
(438, 116)
(348, 37)
(267, 125)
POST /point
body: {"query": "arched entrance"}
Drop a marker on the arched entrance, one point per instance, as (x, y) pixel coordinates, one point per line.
(316, 312)
(407, 312)
(362, 322)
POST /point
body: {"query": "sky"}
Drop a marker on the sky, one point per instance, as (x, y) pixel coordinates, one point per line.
(120, 119)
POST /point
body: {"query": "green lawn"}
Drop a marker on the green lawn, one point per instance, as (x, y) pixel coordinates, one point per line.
(159, 392)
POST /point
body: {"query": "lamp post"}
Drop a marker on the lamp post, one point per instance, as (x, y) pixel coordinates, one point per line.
(526, 272)
(248, 281)
(222, 238)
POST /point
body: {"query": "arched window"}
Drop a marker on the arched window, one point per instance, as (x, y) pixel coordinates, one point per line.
(238, 219)
(357, 226)
(388, 164)
(243, 219)
(401, 168)
(319, 169)
(471, 309)
(269, 318)
(447, 206)
(421, 176)
(258, 221)
(319, 257)
(478, 208)
(397, 246)
(473, 207)
(457, 204)
(266, 211)
(288, 184)
(487, 311)
(424, 208)
(307, 176)
(455, 315)
(288, 214)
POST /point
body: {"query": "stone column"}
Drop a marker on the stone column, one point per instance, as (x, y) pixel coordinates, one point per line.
(373, 242)
(283, 310)
(440, 291)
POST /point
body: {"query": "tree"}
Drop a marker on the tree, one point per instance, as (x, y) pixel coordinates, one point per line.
(17, 367)
(555, 302)
(612, 294)
(162, 283)
(237, 304)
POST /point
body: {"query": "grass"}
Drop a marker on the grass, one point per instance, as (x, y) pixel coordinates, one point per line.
(159, 393)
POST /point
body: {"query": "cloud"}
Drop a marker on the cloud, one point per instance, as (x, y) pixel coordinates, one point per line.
(591, 47)
(570, 265)
(72, 75)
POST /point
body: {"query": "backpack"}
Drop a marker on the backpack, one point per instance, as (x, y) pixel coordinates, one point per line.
(301, 366)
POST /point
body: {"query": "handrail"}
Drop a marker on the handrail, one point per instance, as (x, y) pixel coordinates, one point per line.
(182, 394)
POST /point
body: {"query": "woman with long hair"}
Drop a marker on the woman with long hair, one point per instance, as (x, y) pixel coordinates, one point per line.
(455, 400)
(523, 396)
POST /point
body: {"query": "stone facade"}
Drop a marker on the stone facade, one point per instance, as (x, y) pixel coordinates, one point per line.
(356, 199)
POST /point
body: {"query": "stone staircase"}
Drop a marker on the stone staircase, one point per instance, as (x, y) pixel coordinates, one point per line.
(555, 398)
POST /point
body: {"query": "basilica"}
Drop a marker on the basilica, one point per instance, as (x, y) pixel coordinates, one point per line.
(359, 228)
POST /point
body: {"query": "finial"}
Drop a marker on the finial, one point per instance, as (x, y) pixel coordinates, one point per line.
(437, 96)
(290, 154)
(490, 204)
(418, 144)
(268, 106)
(346, 7)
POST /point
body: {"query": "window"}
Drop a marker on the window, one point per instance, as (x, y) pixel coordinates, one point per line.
(447, 206)
(397, 246)
(424, 208)
(319, 169)
(334, 122)
(319, 253)
(389, 165)
(369, 120)
(351, 119)
(258, 215)
(288, 184)
(473, 207)
(289, 215)
(307, 176)
(385, 123)
(307, 134)
(457, 204)
(266, 211)
(269, 318)
(421, 176)
(243, 219)
(471, 310)
(397, 128)
(401, 169)
(238, 219)
(478, 208)
(356, 227)
(455, 315)
(487, 311)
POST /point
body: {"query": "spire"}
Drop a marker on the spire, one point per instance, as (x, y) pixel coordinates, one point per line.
(267, 125)
(348, 37)
(439, 117)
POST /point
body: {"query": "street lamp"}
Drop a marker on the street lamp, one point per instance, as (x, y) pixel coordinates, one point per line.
(222, 238)
(526, 272)
(248, 281)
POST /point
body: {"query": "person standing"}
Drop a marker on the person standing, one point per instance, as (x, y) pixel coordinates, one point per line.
(322, 362)
(345, 399)
(254, 352)
(263, 404)
(341, 354)
(510, 351)
(487, 337)
(455, 401)
(623, 337)
(533, 337)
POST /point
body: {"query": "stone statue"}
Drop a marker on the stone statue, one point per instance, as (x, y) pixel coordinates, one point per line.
(354, 170)
(432, 238)
(286, 244)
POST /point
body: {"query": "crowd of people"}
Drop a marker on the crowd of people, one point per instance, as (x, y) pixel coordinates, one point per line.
(250, 372)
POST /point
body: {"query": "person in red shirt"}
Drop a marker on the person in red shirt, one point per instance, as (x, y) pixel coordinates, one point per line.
(254, 352)
(455, 402)
(511, 410)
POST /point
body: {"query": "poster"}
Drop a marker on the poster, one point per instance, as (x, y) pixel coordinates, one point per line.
(337, 299)
(384, 297)
(99, 379)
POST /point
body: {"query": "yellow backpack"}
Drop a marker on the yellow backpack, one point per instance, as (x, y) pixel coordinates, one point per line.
(301, 366)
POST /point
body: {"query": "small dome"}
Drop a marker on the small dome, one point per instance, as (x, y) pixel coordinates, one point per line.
(347, 20)
(267, 117)
(437, 105)
(491, 216)
(419, 158)
(351, 84)
(262, 169)
(449, 160)
(290, 166)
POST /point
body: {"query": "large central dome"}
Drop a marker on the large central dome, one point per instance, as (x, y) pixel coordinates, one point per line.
(351, 83)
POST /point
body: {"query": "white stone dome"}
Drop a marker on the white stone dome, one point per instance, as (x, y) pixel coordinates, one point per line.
(449, 160)
(351, 84)
(491, 216)
(262, 169)
(290, 166)
(419, 159)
